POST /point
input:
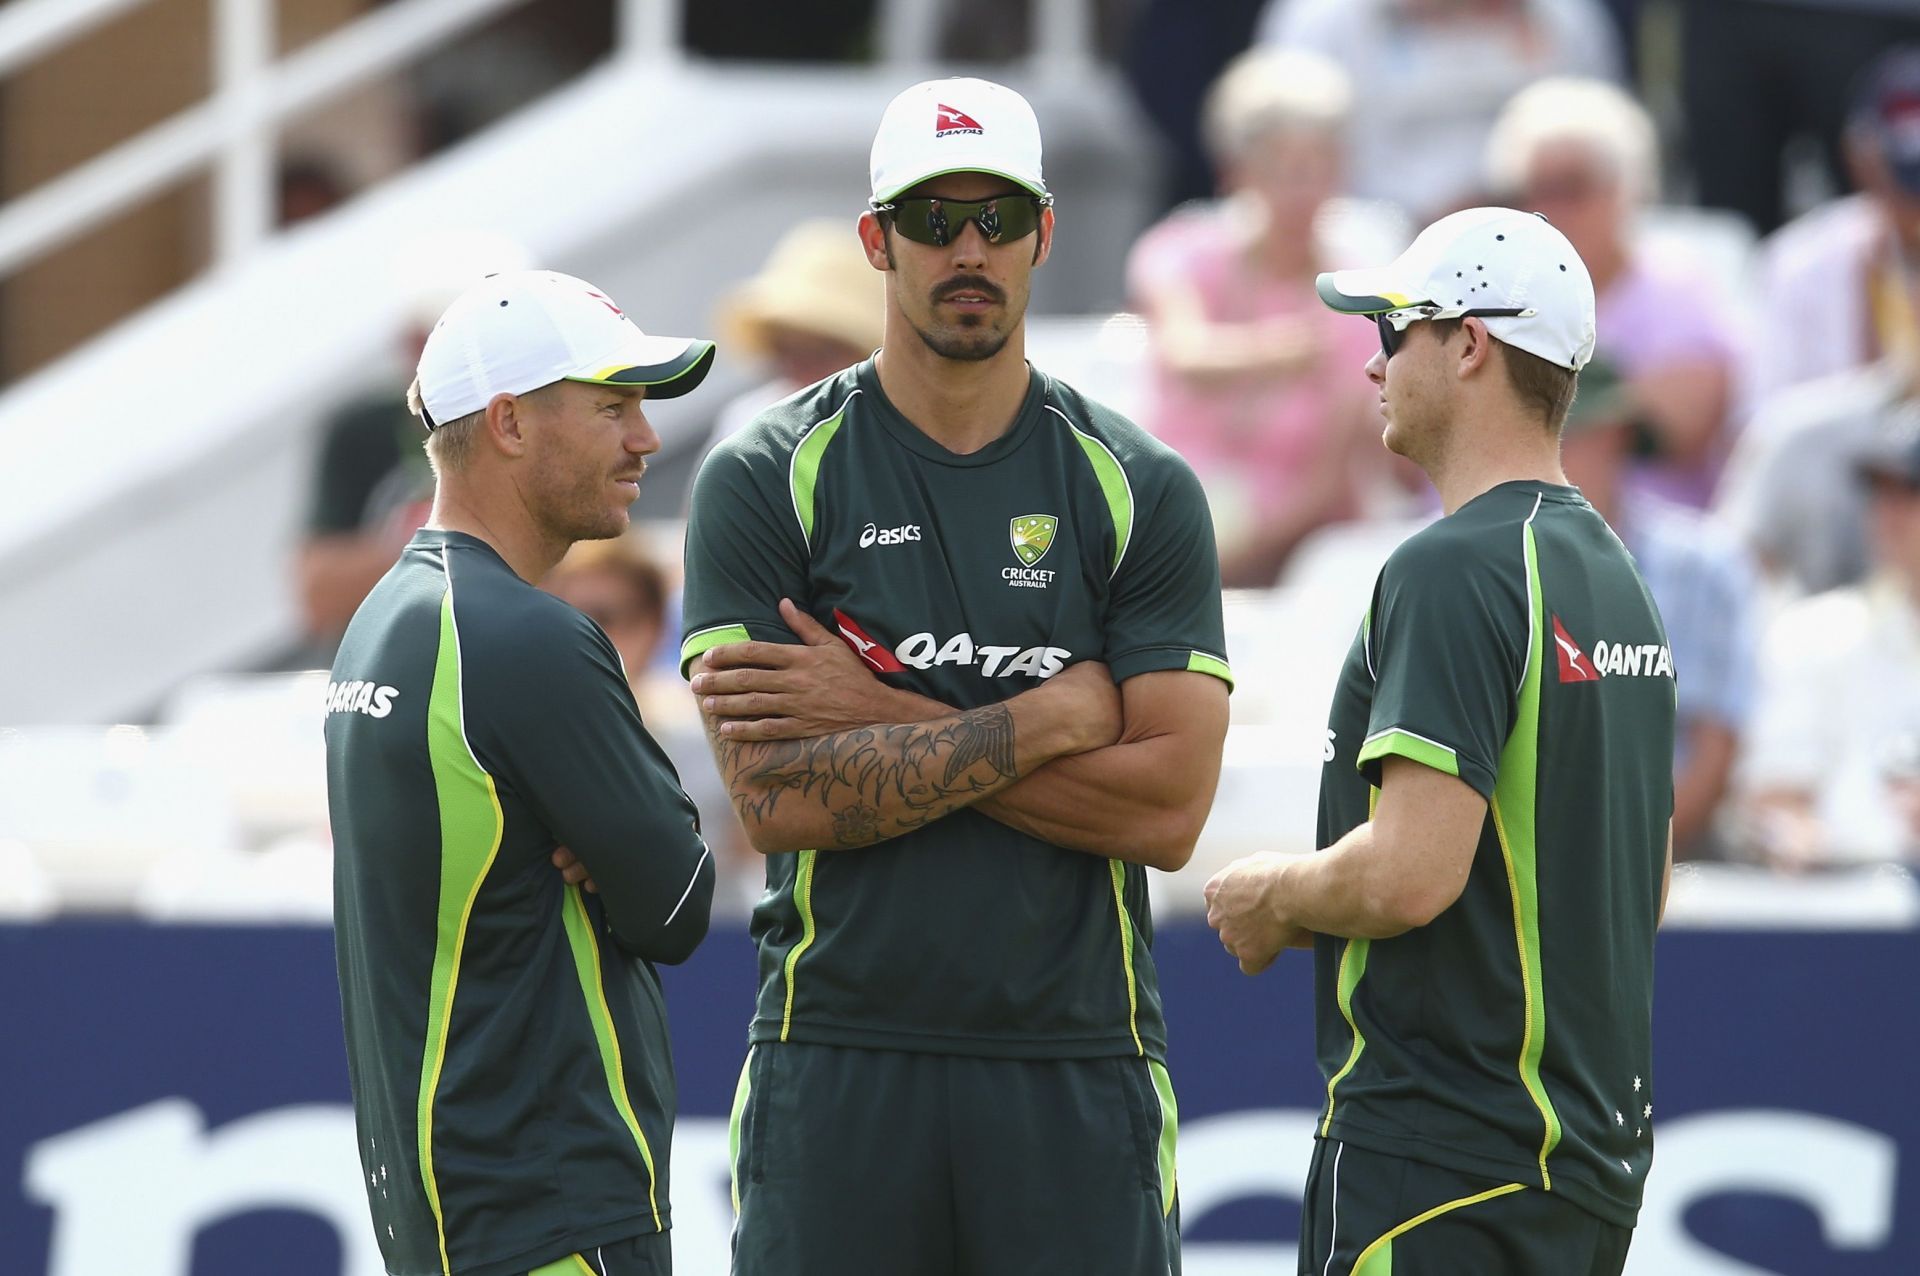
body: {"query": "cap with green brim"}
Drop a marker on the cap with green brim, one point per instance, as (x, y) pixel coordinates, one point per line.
(515, 332)
(1480, 260)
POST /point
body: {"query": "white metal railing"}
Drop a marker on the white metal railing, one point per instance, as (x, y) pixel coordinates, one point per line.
(29, 28)
(254, 94)
(233, 129)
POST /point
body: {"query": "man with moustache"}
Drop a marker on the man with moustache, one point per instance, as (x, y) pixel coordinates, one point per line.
(956, 631)
(1495, 813)
(506, 1039)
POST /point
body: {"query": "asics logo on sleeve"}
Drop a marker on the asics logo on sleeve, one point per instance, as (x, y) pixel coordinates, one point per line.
(872, 535)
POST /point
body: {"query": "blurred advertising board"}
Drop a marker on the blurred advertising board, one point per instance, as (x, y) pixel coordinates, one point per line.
(177, 1103)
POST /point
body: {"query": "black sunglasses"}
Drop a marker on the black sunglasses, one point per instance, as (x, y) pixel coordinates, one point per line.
(1001, 219)
(1393, 324)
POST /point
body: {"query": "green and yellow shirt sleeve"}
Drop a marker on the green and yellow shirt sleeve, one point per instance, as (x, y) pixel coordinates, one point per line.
(1446, 642)
(1164, 606)
(744, 550)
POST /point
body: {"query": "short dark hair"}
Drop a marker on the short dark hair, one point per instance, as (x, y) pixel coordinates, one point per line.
(1545, 387)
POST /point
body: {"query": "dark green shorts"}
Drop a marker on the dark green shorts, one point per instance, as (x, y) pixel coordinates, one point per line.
(648, 1255)
(886, 1163)
(1371, 1215)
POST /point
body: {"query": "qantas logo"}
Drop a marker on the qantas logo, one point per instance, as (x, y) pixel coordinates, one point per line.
(947, 122)
(864, 646)
(1574, 665)
(358, 696)
(606, 301)
(1610, 659)
(926, 651)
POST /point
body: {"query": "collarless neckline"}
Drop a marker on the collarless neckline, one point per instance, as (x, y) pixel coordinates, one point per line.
(916, 440)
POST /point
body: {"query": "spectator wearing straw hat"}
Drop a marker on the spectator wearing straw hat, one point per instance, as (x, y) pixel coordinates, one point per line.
(813, 310)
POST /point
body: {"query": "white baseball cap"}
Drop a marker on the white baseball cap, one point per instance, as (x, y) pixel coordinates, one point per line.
(432, 269)
(517, 331)
(1512, 268)
(955, 126)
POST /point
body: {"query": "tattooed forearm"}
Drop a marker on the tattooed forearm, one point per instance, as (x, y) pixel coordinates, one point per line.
(872, 783)
(856, 826)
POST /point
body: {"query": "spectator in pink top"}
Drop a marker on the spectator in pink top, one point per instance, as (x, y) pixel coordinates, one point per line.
(1583, 153)
(1254, 381)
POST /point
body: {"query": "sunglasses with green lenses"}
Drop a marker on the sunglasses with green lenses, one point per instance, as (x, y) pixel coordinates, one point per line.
(1002, 219)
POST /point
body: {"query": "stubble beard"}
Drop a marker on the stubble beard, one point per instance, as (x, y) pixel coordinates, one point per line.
(972, 338)
(1415, 431)
(580, 512)
(973, 341)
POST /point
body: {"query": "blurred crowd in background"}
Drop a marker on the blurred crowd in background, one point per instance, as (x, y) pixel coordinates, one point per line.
(1742, 178)
(1751, 427)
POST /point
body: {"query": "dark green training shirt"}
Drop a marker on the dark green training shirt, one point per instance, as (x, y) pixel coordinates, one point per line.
(506, 1038)
(1511, 644)
(969, 579)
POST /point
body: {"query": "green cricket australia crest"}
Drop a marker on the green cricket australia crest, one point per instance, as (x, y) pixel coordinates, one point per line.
(1032, 536)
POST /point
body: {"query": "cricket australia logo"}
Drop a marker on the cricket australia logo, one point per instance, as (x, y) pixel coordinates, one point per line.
(1032, 537)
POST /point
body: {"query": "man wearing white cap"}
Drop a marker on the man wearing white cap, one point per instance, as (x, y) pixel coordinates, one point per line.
(911, 590)
(1495, 808)
(513, 1091)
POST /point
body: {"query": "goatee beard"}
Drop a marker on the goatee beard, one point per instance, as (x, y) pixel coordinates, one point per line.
(964, 347)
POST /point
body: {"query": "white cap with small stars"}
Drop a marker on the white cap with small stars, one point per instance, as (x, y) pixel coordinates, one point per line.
(1485, 259)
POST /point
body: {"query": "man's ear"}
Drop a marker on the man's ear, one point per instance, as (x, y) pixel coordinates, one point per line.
(506, 425)
(873, 239)
(1477, 351)
(1043, 248)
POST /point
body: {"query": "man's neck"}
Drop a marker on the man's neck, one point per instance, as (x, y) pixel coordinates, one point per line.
(963, 406)
(1492, 453)
(504, 527)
